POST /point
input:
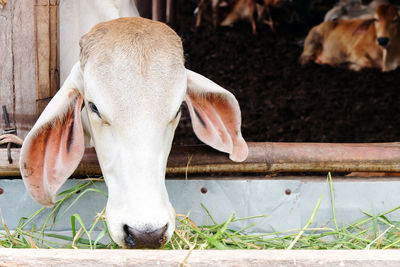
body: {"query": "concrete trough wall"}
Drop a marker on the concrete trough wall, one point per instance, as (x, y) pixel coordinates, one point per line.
(288, 203)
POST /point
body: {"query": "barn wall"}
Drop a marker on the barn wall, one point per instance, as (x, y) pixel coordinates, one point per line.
(28, 55)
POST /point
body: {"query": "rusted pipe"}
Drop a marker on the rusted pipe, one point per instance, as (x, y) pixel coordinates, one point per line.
(291, 157)
(263, 158)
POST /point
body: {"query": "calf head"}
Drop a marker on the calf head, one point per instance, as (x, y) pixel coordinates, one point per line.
(125, 96)
(386, 20)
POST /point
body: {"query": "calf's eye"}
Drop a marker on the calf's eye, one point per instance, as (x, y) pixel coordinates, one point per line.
(94, 109)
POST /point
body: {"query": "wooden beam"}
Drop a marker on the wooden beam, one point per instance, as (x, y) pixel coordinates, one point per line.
(271, 258)
(263, 158)
(46, 30)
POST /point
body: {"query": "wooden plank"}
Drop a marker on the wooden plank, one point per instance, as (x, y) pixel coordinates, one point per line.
(7, 169)
(271, 258)
(24, 65)
(6, 59)
(46, 30)
(263, 158)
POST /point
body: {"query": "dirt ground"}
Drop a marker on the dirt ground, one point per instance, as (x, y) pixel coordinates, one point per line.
(282, 101)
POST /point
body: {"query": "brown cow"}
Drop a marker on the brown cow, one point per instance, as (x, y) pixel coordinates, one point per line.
(2, 3)
(244, 9)
(371, 43)
(240, 9)
(201, 7)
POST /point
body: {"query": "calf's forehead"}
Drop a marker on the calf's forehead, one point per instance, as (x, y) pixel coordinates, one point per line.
(132, 37)
(121, 88)
(386, 12)
(136, 59)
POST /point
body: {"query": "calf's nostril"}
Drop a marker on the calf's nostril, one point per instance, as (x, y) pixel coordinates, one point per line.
(129, 239)
(147, 238)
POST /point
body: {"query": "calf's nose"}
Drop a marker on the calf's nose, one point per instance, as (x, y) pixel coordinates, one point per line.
(135, 238)
(383, 41)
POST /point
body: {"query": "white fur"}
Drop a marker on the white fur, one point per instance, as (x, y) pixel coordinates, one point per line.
(77, 17)
(138, 90)
(134, 144)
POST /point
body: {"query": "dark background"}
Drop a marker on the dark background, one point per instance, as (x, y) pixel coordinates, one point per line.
(282, 101)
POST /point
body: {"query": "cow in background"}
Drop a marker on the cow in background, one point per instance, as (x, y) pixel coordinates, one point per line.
(372, 43)
(345, 9)
(348, 9)
(77, 17)
(240, 10)
(201, 8)
(2, 3)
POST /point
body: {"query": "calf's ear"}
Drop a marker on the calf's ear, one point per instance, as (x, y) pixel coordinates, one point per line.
(55, 145)
(215, 115)
(363, 27)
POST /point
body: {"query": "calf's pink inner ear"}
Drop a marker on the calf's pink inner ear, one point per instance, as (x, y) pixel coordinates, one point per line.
(216, 121)
(53, 153)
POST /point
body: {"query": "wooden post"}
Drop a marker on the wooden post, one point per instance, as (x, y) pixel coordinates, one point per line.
(46, 36)
(7, 89)
(159, 10)
(144, 8)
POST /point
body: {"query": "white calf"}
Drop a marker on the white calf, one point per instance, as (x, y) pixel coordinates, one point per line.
(77, 17)
(125, 97)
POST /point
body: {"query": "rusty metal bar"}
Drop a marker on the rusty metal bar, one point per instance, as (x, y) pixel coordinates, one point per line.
(263, 158)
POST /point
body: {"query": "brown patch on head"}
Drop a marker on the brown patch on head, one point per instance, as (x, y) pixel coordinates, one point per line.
(73, 93)
(386, 11)
(387, 23)
(137, 37)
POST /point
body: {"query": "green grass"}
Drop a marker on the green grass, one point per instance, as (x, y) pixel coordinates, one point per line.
(370, 232)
